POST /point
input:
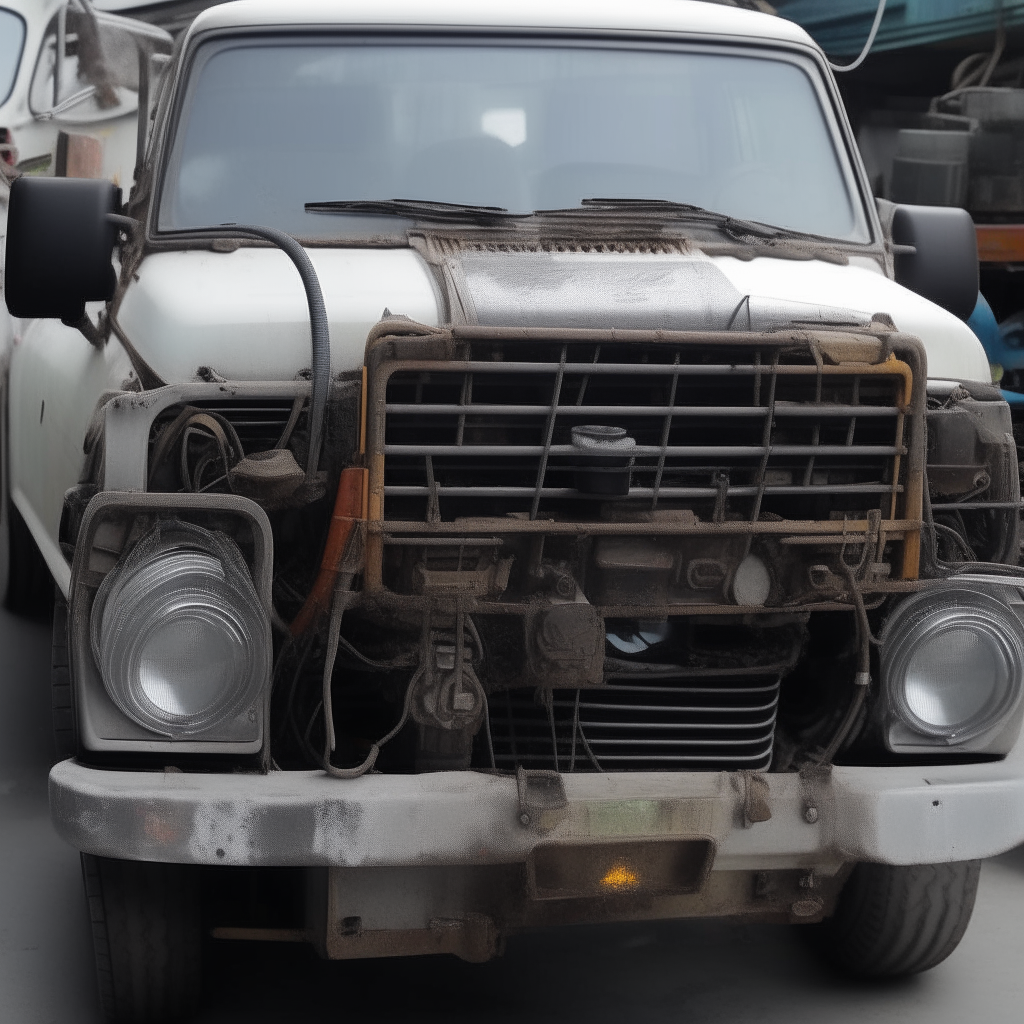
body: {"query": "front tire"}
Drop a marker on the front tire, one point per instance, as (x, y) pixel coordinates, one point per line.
(28, 587)
(894, 921)
(147, 938)
(62, 710)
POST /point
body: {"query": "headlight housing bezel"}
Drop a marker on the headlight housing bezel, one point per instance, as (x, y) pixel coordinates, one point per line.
(113, 526)
(952, 667)
(184, 578)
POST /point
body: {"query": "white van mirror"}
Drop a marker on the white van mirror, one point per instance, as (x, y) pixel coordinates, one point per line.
(88, 64)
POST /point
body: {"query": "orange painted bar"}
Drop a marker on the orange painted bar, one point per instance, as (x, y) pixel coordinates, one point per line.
(1001, 243)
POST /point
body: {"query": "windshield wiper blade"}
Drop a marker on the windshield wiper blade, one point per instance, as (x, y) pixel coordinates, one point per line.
(733, 226)
(466, 213)
(416, 209)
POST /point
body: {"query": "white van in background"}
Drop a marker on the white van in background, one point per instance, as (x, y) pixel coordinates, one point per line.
(70, 87)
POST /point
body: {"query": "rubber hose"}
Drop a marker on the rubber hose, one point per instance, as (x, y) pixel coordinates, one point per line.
(318, 326)
(862, 679)
(867, 46)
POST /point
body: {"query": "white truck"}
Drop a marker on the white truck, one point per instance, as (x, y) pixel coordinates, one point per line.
(501, 468)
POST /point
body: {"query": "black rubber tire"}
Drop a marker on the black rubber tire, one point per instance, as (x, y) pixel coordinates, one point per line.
(147, 938)
(62, 710)
(895, 921)
(29, 583)
(26, 586)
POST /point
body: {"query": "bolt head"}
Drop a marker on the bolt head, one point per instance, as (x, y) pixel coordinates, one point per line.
(807, 907)
(811, 815)
(524, 819)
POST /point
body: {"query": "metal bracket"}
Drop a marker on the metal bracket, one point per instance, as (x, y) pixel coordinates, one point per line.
(756, 798)
(542, 800)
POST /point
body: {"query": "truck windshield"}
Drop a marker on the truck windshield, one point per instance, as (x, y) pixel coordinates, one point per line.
(12, 38)
(268, 126)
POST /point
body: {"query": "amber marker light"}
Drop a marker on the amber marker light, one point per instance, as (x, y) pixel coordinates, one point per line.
(621, 877)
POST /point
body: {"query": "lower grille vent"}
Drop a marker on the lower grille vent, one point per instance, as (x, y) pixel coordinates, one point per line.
(259, 423)
(658, 718)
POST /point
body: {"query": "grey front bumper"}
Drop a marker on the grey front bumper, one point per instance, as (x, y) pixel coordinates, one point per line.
(888, 815)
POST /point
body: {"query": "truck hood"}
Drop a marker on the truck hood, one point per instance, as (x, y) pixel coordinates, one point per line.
(243, 314)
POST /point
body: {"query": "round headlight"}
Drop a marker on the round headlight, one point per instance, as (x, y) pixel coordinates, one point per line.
(952, 662)
(179, 633)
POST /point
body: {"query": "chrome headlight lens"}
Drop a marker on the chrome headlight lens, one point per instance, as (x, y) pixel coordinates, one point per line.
(952, 664)
(180, 636)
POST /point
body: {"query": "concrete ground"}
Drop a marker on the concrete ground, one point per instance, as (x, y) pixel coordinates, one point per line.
(690, 971)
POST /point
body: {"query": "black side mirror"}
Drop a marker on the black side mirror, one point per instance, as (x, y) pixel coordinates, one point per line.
(944, 266)
(60, 240)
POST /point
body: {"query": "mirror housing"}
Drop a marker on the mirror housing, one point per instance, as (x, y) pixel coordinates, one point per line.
(60, 241)
(944, 268)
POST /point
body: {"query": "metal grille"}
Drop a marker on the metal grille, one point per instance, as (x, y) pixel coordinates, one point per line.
(259, 422)
(729, 431)
(648, 719)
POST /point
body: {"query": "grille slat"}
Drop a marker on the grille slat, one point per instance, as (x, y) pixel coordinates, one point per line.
(589, 411)
(695, 451)
(694, 369)
(679, 710)
(722, 763)
(640, 741)
(651, 726)
(641, 492)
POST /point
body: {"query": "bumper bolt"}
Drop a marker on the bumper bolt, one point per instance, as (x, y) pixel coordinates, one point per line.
(810, 814)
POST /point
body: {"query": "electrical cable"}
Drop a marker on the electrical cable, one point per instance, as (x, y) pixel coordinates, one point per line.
(289, 427)
(978, 68)
(867, 46)
(487, 728)
(957, 539)
(319, 330)
(384, 666)
(337, 613)
(952, 569)
(862, 679)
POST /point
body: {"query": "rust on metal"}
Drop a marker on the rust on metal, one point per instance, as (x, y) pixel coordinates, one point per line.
(424, 350)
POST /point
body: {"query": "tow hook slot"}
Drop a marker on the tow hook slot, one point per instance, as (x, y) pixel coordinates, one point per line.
(542, 800)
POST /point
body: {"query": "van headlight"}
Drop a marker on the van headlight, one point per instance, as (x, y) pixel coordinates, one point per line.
(952, 666)
(178, 632)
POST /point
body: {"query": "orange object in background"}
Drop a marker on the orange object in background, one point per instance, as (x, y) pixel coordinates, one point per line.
(1001, 243)
(78, 156)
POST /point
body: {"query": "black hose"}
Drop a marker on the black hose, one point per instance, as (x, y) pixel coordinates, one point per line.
(953, 569)
(318, 325)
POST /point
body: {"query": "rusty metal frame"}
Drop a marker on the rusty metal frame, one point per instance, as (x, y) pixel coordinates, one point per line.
(393, 347)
